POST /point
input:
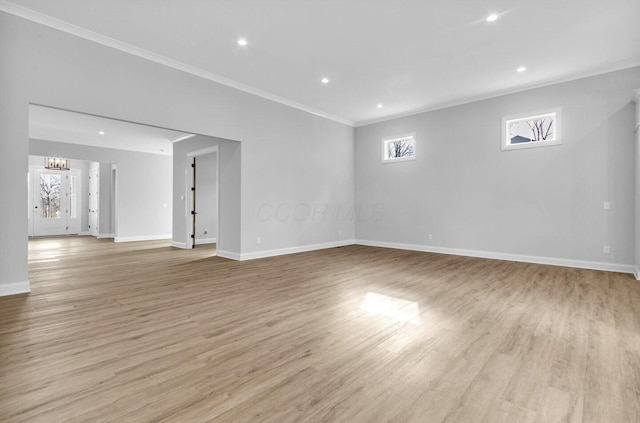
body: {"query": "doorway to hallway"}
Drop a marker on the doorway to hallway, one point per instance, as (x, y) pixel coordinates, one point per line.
(202, 169)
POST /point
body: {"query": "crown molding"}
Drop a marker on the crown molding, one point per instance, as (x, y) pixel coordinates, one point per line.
(627, 64)
(182, 138)
(60, 25)
(49, 21)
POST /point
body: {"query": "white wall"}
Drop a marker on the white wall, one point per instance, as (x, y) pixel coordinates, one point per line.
(288, 156)
(207, 197)
(104, 198)
(536, 202)
(143, 206)
(14, 148)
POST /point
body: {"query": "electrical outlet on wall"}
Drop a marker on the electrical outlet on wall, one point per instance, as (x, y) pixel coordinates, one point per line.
(606, 249)
(430, 237)
(258, 240)
(206, 231)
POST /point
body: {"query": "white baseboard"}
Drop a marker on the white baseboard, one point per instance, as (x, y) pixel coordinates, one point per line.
(293, 250)
(611, 267)
(101, 236)
(228, 254)
(141, 238)
(206, 241)
(15, 288)
(198, 242)
(84, 233)
(179, 245)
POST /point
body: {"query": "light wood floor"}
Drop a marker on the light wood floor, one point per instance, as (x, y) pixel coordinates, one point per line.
(141, 332)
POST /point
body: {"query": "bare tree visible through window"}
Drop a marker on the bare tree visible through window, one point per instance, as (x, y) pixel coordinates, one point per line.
(399, 148)
(532, 130)
(541, 129)
(50, 196)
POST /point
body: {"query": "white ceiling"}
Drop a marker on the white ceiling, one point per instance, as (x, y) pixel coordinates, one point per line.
(49, 124)
(409, 55)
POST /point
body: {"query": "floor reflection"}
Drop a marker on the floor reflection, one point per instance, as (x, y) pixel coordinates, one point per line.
(397, 309)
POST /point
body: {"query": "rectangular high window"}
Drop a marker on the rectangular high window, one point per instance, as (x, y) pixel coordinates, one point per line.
(531, 130)
(399, 148)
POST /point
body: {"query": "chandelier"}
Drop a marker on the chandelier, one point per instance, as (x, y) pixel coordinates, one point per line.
(57, 163)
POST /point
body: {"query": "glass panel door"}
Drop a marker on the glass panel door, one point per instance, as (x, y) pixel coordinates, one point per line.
(56, 197)
(50, 204)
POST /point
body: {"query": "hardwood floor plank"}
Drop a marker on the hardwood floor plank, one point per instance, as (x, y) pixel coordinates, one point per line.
(605, 376)
(142, 332)
(478, 400)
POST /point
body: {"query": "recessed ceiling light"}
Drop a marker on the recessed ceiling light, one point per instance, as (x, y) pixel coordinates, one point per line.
(521, 69)
(379, 106)
(101, 132)
(492, 17)
(325, 80)
(242, 42)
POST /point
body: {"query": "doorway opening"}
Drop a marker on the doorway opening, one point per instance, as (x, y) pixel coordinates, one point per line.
(55, 199)
(126, 173)
(203, 170)
(141, 172)
(69, 202)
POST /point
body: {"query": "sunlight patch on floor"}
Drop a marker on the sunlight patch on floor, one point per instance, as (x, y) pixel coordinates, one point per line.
(396, 309)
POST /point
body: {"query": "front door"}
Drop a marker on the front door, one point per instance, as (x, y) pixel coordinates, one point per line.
(56, 202)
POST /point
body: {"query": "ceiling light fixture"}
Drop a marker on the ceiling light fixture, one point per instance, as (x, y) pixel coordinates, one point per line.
(521, 69)
(101, 132)
(325, 80)
(492, 17)
(379, 106)
(57, 163)
(242, 42)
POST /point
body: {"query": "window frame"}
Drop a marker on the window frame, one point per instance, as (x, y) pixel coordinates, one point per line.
(386, 140)
(508, 120)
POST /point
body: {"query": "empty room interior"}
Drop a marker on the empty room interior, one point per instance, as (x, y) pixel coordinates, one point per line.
(320, 211)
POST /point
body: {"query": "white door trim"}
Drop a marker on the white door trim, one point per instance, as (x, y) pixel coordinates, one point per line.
(93, 217)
